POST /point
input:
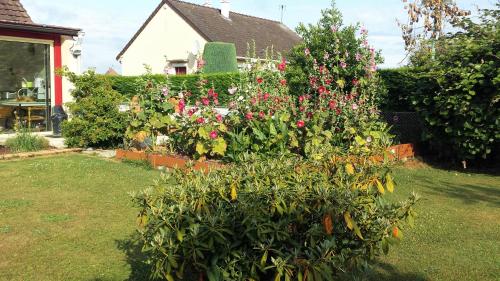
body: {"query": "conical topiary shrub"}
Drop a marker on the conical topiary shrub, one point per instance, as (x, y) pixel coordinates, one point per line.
(219, 57)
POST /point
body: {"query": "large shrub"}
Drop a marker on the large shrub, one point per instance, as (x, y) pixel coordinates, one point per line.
(95, 118)
(463, 114)
(130, 86)
(219, 57)
(270, 219)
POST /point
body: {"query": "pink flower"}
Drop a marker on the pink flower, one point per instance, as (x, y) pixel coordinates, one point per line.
(216, 101)
(334, 28)
(266, 96)
(282, 65)
(219, 118)
(358, 57)
(301, 99)
(321, 90)
(307, 52)
(332, 104)
(301, 124)
(200, 120)
(191, 112)
(205, 101)
(213, 135)
(262, 115)
(283, 82)
(260, 80)
(355, 82)
(232, 105)
(355, 106)
(343, 64)
(249, 116)
(165, 91)
(182, 105)
(302, 108)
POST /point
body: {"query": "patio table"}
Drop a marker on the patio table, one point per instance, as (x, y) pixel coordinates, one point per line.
(23, 104)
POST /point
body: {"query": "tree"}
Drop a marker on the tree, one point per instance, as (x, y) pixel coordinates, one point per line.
(426, 21)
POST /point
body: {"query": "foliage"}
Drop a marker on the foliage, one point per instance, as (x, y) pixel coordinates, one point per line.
(270, 219)
(95, 117)
(130, 86)
(403, 83)
(426, 21)
(462, 114)
(25, 141)
(342, 50)
(219, 57)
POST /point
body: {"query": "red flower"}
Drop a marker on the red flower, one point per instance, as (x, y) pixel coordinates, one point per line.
(262, 115)
(339, 111)
(301, 99)
(260, 80)
(301, 124)
(205, 101)
(213, 134)
(283, 82)
(332, 104)
(321, 90)
(191, 112)
(266, 96)
(211, 92)
(355, 82)
(218, 117)
(249, 116)
(282, 65)
(302, 109)
(216, 101)
(200, 120)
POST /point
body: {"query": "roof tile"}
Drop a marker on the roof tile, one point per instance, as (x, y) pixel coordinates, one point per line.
(13, 11)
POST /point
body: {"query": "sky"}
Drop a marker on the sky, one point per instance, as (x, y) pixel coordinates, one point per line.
(109, 24)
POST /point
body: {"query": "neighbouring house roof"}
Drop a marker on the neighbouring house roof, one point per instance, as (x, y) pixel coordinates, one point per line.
(111, 72)
(240, 29)
(15, 17)
(13, 11)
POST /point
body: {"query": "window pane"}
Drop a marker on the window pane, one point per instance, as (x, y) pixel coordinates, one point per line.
(24, 86)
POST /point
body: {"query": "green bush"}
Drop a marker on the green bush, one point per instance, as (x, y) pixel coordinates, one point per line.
(130, 86)
(219, 57)
(95, 118)
(403, 83)
(271, 219)
(462, 114)
(24, 141)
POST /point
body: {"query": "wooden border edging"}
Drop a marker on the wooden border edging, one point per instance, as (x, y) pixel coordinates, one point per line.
(397, 152)
(24, 155)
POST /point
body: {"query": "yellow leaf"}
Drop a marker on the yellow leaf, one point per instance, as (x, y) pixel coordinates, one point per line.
(349, 168)
(358, 232)
(380, 187)
(169, 277)
(389, 183)
(234, 193)
(348, 220)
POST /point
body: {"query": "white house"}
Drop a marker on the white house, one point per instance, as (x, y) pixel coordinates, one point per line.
(176, 32)
(30, 54)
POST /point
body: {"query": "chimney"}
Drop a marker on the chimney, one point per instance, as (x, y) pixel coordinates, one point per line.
(207, 3)
(225, 7)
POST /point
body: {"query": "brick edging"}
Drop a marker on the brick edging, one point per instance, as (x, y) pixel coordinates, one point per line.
(24, 155)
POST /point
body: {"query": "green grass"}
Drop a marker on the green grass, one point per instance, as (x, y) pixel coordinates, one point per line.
(71, 218)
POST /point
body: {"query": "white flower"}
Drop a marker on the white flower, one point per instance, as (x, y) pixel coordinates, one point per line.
(240, 98)
(181, 95)
(232, 90)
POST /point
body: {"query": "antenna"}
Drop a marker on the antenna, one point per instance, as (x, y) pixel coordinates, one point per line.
(282, 9)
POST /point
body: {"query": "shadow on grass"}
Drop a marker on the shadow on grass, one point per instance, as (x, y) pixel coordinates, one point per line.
(387, 272)
(467, 193)
(140, 271)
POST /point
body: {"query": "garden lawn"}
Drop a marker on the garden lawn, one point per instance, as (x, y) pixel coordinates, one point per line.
(71, 218)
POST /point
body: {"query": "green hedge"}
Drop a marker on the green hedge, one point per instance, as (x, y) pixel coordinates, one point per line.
(128, 85)
(220, 57)
(401, 84)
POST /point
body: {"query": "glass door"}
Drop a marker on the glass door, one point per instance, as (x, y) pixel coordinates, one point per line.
(24, 86)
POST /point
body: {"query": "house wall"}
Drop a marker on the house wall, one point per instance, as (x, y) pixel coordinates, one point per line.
(72, 63)
(166, 35)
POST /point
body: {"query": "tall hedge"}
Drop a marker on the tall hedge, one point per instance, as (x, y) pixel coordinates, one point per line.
(219, 57)
(128, 85)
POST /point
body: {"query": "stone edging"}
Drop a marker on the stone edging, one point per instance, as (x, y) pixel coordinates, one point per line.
(24, 155)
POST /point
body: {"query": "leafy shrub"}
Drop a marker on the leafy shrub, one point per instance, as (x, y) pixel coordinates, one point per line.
(219, 57)
(25, 141)
(130, 86)
(95, 117)
(462, 114)
(270, 219)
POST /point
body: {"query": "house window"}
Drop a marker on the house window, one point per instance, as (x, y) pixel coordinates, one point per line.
(180, 70)
(24, 86)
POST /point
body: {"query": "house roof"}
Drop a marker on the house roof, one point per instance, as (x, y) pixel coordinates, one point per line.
(240, 29)
(15, 17)
(13, 11)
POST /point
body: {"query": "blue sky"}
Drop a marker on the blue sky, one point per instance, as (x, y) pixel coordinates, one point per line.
(109, 24)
